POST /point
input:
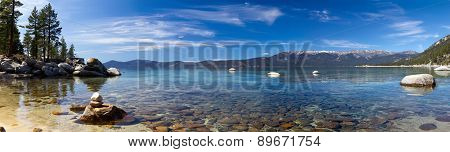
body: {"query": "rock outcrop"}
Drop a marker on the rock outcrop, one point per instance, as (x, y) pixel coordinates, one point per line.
(418, 80)
(99, 113)
(2, 129)
(95, 68)
(32, 68)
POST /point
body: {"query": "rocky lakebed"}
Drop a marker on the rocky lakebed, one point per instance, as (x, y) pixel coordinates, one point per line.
(345, 100)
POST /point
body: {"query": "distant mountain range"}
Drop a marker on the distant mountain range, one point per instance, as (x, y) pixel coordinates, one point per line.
(438, 54)
(286, 59)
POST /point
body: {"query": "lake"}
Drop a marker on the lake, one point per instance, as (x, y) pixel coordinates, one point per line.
(338, 99)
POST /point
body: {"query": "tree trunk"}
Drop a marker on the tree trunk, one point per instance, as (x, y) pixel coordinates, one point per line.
(11, 30)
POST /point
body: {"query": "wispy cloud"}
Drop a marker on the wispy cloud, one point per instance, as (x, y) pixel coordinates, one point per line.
(27, 8)
(230, 14)
(346, 44)
(446, 26)
(323, 15)
(386, 11)
(407, 28)
(139, 29)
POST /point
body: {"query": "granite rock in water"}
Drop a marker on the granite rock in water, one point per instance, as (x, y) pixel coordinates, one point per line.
(8, 66)
(37, 130)
(94, 64)
(85, 73)
(68, 68)
(442, 68)
(98, 113)
(113, 72)
(102, 115)
(418, 80)
(428, 126)
(77, 108)
(96, 97)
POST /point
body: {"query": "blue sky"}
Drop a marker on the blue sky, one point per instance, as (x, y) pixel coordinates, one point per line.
(113, 29)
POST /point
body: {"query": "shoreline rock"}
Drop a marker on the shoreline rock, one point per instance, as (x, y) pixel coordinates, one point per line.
(418, 80)
(98, 113)
(11, 69)
(2, 129)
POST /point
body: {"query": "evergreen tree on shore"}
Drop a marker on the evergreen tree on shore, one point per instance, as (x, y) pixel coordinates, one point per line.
(34, 29)
(63, 51)
(42, 38)
(50, 30)
(27, 40)
(9, 36)
(71, 53)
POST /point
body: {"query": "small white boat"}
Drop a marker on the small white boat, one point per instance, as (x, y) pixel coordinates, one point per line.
(273, 74)
(442, 68)
(232, 69)
(315, 72)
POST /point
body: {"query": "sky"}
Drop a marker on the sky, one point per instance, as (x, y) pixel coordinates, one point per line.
(196, 30)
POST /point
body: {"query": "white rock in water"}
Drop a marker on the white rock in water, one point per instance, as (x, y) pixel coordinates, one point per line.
(96, 97)
(442, 68)
(232, 69)
(273, 74)
(315, 72)
(418, 80)
(114, 72)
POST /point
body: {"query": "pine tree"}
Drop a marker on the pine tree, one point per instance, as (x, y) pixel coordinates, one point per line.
(63, 50)
(50, 30)
(9, 39)
(71, 53)
(34, 29)
(27, 40)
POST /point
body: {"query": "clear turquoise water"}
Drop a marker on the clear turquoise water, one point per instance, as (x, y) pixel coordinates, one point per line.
(339, 99)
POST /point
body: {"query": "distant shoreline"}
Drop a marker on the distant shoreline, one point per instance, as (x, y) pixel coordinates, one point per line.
(399, 66)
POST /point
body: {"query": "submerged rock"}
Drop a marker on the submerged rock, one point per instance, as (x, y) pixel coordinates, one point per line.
(443, 118)
(428, 126)
(37, 130)
(77, 108)
(417, 91)
(86, 73)
(418, 80)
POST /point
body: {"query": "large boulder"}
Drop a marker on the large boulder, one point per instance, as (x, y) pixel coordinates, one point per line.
(68, 68)
(114, 72)
(52, 69)
(418, 80)
(24, 69)
(98, 113)
(39, 65)
(9, 66)
(94, 64)
(30, 62)
(106, 114)
(79, 67)
(2, 129)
